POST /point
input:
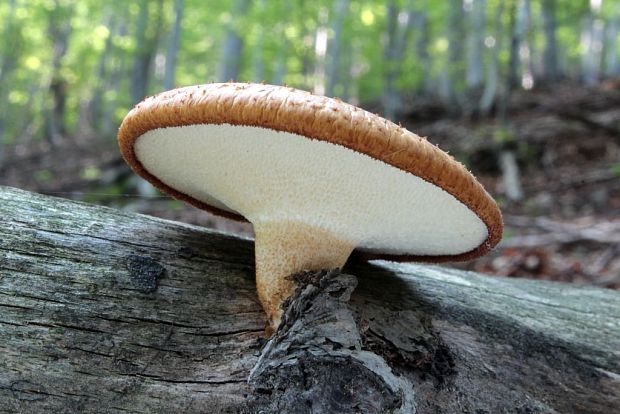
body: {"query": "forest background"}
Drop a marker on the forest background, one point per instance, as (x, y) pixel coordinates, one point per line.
(525, 92)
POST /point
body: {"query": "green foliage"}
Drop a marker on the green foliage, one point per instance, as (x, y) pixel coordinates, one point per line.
(279, 40)
(508, 233)
(90, 173)
(43, 176)
(615, 169)
(527, 152)
(175, 205)
(503, 135)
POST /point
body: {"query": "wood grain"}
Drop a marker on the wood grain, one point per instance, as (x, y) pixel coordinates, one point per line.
(107, 311)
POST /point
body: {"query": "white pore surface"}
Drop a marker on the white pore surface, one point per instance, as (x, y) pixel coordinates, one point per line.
(267, 175)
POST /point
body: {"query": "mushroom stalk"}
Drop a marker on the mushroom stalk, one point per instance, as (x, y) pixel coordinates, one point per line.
(286, 248)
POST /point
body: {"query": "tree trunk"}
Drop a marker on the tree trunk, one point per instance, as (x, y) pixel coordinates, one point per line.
(58, 31)
(8, 63)
(104, 310)
(117, 73)
(491, 84)
(423, 56)
(453, 73)
(320, 52)
(90, 116)
(612, 64)
(258, 60)
(519, 26)
(233, 44)
(351, 92)
(475, 44)
(280, 67)
(551, 69)
(390, 97)
(398, 30)
(592, 43)
(147, 38)
(173, 46)
(334, 60)
(142, 60)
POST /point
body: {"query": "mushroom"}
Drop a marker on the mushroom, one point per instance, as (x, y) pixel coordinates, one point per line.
(317, 178)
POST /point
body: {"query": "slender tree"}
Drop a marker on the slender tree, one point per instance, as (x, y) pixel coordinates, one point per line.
(140, 71)
(279, 71)
(592, 44)
(421, 51)
(118, 68)
(612, 65)
(334, 59)
(519, 26)
(232, 48)
(550, 69)
(283, 45)
(258, 48)
(453, 72)
(475, 44)
(320, 52)
(398, 31)
(147, 38)
(8, 64)
(519, 22)
(174, 43)
(492, 79)
(93, 108)
(59, 29)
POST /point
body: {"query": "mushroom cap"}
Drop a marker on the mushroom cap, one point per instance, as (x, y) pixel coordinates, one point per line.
(248, 110)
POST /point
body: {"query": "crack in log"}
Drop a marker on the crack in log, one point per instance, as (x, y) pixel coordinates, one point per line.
(226, 333)
(52, 248)
(62, 325)
(25, 390)
(89, 351)
(171, 381)
(10, 323)
(159, 349)
(43, 299)
(6, 305)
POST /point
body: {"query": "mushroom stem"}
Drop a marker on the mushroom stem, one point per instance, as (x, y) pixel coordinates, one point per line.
(286, 248)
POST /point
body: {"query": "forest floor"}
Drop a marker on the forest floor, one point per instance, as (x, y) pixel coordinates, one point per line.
(566, 142)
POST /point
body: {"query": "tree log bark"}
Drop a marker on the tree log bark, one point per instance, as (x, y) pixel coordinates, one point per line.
(107, 311)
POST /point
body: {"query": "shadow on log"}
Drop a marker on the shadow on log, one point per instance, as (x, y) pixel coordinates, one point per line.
(107, 311)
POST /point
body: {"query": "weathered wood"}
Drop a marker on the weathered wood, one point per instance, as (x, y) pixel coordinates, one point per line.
(107, 311)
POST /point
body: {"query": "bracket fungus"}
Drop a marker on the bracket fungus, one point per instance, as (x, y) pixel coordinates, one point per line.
(317, 178)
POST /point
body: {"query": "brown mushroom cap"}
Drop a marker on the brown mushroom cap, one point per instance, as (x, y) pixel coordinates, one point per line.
(319, 118)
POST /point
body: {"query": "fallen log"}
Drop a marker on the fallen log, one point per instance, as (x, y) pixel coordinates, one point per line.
(107, 311)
